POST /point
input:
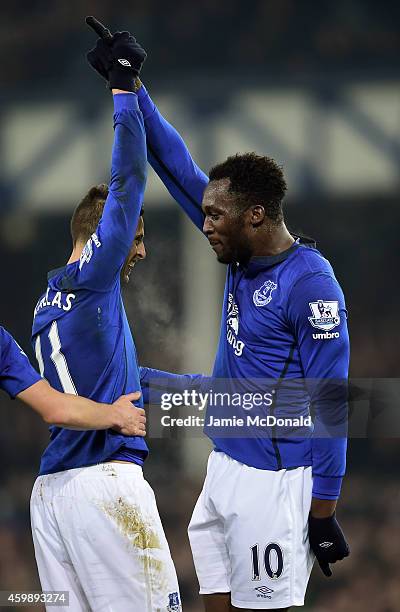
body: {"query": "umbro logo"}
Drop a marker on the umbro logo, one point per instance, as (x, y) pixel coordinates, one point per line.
(125, 62)
(326, 544)
(264, 590)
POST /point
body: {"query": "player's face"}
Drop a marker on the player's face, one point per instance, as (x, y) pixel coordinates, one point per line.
(136, 253)
(225, 227)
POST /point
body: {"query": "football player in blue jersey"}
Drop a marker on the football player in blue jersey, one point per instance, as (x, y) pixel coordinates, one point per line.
(269, 498)
(20, 380)
(95, 523)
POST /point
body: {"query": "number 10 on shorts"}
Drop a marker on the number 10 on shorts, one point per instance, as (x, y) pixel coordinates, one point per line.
(273, 561)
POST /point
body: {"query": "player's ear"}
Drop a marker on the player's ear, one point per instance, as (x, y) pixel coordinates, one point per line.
(257, 214)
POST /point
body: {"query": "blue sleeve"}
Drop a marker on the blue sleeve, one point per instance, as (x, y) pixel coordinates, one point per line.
(16, 372)
(171, 160)
(154, 383)
(318, 315)
(105, 252)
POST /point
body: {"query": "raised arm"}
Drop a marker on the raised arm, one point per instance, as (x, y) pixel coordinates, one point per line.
(167, 152)
(107, 249)
(171, 159)
(105, 252)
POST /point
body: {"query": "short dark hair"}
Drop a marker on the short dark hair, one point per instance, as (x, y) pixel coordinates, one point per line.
(87, 214)
(257, 179)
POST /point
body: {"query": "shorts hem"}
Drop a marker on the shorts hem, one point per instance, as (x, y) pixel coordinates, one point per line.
(215, 590)
(266, 605)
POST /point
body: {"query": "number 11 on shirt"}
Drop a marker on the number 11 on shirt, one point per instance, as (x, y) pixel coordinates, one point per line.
(58, 358)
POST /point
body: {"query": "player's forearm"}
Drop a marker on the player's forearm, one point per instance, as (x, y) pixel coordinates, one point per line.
(75, 412)
(155, 383)
(69, 411)
(329, 442)
(172, 380)
(171, 160)
(128, 165)
(328, 466)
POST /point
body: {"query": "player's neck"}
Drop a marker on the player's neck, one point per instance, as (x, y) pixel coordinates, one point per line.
(76, 253)
(272, 241)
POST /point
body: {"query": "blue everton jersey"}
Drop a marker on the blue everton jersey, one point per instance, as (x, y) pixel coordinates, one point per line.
(283, 318)
(16, 372)
(80, 333)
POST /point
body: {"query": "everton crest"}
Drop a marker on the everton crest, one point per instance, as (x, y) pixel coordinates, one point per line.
(325, 315)
(174, 604)
(263, 296)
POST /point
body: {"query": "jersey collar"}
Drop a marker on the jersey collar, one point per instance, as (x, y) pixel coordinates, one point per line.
(52, 273)
(259, 262)
(71, 267)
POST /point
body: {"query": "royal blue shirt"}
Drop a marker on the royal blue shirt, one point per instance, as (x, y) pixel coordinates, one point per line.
(80, 334)
(16, 372)
(283, 318)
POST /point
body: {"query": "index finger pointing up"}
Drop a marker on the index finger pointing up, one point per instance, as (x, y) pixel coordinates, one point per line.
(99, 28)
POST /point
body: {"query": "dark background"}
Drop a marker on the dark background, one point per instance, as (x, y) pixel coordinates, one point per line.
(191, 45)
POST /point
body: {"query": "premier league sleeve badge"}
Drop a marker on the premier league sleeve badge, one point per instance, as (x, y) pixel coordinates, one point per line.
(325, 314)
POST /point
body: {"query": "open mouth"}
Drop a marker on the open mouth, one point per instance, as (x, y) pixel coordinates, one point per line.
(129, 268)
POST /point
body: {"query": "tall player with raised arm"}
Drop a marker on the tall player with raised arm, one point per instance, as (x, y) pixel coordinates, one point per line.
(95, 524)
(266, 500)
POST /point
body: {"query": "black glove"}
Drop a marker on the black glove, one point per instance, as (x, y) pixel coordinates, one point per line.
(100, 58)
(117, 58)
(327, 541)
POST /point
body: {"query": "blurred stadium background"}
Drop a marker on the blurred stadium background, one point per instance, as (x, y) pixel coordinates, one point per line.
(315, 85)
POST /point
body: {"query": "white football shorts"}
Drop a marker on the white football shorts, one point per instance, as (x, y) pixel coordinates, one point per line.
(249, 534)
(97, 534)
